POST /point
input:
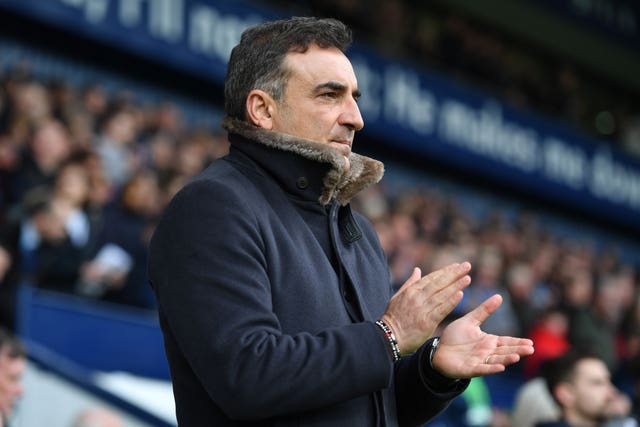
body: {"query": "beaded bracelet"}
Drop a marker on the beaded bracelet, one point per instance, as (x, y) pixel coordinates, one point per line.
(395, 350)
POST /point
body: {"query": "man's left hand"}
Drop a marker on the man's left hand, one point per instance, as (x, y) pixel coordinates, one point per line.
(465, 351)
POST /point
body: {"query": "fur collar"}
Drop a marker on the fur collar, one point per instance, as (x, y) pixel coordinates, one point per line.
(363, 172)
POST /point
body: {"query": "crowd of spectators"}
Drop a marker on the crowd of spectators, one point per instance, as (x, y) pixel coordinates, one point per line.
(85, 173)
(561, 292)
(430, 35)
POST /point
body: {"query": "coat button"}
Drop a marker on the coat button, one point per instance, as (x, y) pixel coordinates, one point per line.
(302, 183)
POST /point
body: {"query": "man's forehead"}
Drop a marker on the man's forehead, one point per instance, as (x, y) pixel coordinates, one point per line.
(321, 65)
(591, 368)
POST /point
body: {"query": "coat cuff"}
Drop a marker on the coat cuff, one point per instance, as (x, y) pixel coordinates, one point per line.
(432, 379)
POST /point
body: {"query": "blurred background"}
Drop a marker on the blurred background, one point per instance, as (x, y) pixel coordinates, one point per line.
(510, 130)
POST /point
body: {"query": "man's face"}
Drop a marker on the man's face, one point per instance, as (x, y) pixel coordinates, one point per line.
(11, 370)
(592, 390)
(320, 97)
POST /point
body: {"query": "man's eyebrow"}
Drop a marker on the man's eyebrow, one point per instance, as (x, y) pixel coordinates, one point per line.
(337, 87)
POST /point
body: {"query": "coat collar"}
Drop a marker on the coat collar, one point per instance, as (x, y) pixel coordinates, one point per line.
(337, 183)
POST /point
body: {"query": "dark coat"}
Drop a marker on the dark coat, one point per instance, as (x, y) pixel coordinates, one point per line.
(268, 286)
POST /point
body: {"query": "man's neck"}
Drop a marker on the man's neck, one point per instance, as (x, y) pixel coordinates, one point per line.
(575, 420)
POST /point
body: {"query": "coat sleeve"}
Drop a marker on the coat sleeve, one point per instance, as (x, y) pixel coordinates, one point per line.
(421, 392)
(209, 270)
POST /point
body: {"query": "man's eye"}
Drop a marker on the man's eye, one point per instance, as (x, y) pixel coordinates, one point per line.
(330, 95)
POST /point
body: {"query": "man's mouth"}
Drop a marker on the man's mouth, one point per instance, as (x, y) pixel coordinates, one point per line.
(343, 145)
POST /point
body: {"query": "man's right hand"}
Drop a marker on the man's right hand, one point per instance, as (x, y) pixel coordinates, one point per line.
(416, 310)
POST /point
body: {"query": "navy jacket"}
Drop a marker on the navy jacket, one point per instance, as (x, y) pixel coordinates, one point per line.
(268, 286)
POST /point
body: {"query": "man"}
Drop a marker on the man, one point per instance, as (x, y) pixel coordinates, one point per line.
(272, 293)
(12, 366)
(580, 383)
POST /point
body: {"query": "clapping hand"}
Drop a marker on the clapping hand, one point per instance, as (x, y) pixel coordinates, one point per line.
(416, 310)
(465, 351)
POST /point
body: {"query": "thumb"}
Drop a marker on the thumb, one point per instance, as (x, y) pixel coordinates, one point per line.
(486, 309)
(416, 274)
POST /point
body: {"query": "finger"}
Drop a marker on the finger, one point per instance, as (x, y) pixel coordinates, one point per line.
(444, 277)
(443, 306)
(484, 310)
(514, 342)
(506, 344)
(487, 369)
(415, 276)
(520, 346)
(440, 304)
(448, 293)
(523, 350)
(504, 360)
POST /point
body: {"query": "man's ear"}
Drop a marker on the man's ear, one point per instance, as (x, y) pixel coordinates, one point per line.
(260, 106)
(564, 394)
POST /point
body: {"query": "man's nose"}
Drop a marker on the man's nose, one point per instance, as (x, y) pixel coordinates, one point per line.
(351, 116)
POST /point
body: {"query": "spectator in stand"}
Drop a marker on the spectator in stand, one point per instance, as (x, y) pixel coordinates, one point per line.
(48, 149)
(550, 333)
(402, 258)
(167, 120)
(596, 321)
(28, 105)
(47, 255)
(95, 101)
(116, 144)
(534, 403)
(192, 156)
(217, 142)
(521, 285)
(70, 196)
(581, 385)
(160, 157)
(118, 270)
(487, 281)
(12, 366)
(100, 189)
(545, 253)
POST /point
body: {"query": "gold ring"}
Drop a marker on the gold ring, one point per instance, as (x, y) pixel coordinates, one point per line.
(486, 361)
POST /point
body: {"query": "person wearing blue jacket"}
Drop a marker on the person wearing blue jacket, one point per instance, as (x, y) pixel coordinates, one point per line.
(274, 297)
